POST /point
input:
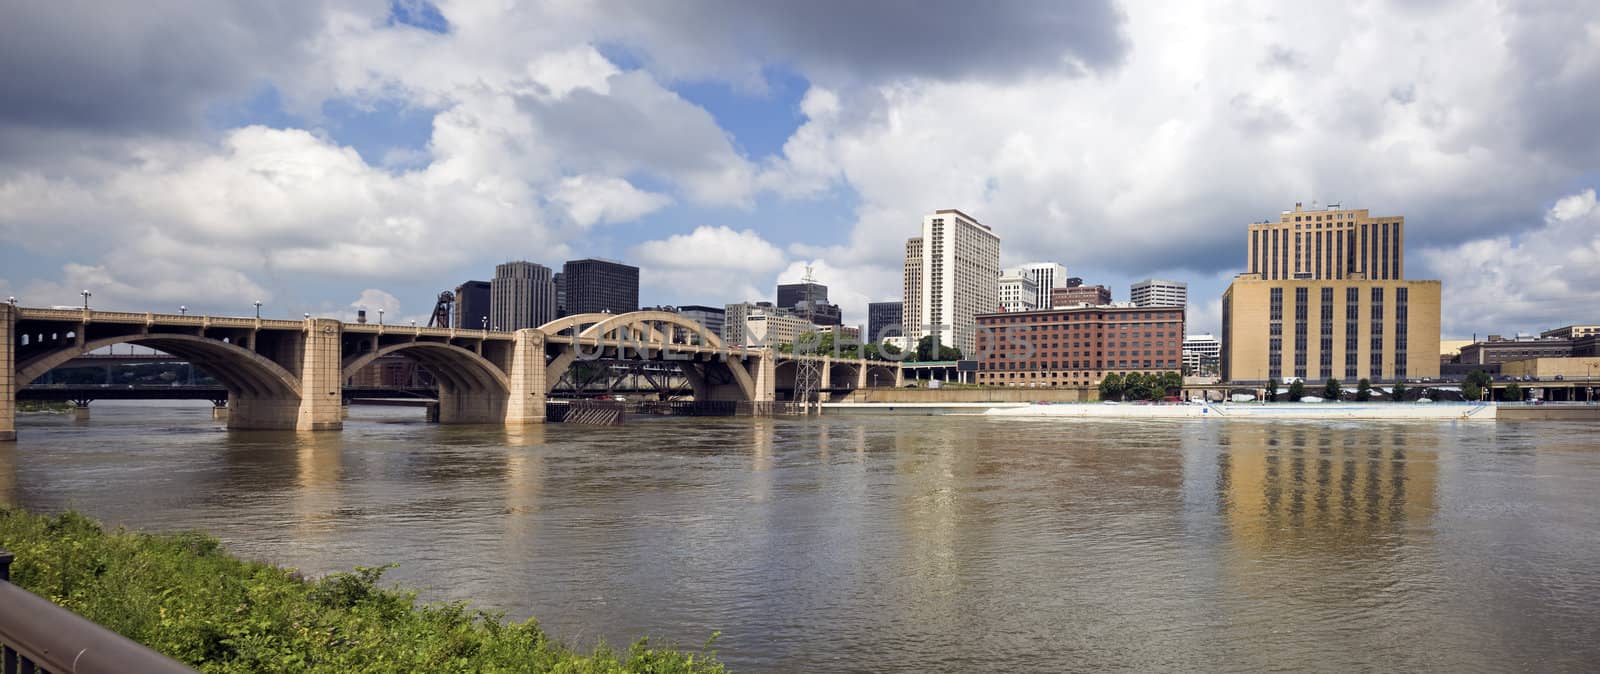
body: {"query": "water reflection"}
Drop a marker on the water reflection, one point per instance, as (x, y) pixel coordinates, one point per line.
(914, 543)
(1285, 485)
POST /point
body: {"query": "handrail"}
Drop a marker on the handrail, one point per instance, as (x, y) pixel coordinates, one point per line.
(37, 635)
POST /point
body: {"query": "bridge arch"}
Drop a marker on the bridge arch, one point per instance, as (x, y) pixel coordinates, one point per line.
(649, 320)
(575, 323)
(459, 368)
(240, 370)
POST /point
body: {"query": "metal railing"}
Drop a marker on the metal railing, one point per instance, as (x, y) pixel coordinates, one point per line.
(38, 636)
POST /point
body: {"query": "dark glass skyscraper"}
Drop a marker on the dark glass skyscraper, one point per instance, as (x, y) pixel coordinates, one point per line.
(594, 286)
(879, 316)
(472, 305)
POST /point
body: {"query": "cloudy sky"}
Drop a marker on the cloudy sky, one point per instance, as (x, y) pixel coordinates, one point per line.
(324, 155)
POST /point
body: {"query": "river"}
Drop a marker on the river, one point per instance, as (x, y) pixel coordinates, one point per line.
(912, 544)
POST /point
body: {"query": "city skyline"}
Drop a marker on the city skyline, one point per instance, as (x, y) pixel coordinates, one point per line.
(305, 165)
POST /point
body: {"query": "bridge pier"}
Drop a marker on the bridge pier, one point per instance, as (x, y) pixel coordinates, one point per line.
(8, 372)
(528, 380)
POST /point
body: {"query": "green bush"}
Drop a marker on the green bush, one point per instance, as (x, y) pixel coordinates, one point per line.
(182, 595)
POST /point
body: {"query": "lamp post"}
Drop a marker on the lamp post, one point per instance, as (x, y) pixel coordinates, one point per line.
(485, 322)
(380, 317)
(258, 310)
(86, 295)
(183, 310)
(12, 300)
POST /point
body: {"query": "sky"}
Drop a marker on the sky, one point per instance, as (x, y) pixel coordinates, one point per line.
(324, 156)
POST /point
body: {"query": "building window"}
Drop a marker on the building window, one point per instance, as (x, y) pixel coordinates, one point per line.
(1377, 334)
(1326, 336)
(1301, 302)
(1352, 338)
(1401, 317)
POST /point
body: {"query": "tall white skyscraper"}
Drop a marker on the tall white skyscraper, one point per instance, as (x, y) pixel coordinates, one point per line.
(1045, 275)
(1159, 293)
(955, 264)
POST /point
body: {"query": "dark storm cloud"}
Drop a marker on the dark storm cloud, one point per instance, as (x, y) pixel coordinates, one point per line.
(139, 66)
(886, 39)
(1557, 77)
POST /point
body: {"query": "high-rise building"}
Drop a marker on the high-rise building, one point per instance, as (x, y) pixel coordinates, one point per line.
(791, 294)
(911, 295)
(797, 297)
(561, 294)
(1326, 298)
(1077, 346)
(1201, 353)
(1045, 275)
(1159, 293)
(881, 315)
(957, 260)
(1018, 292)
(472, 305)
(710, 318)
(593, 286)
(1077, 294)
(522, 295)
(1331, 243)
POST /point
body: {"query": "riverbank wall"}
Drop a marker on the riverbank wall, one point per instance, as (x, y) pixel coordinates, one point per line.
(944, 396)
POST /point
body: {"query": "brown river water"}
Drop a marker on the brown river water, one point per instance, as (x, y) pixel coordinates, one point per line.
(911, 544)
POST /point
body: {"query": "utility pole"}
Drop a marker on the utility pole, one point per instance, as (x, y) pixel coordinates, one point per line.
(808, 372)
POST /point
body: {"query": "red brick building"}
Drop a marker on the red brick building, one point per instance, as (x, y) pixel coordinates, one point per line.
(1072, 296)
(1079, 346)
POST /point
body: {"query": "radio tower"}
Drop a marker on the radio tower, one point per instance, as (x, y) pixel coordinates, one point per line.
(808, 372)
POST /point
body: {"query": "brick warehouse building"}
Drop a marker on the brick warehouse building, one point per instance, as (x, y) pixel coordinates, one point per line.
(1077, 346)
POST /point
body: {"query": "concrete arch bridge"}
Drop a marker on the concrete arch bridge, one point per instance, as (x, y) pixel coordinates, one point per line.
(289, 374)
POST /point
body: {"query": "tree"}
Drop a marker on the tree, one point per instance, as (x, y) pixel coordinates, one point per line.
(1399, 394)
(1513, 393)
(1364, 390)
(1136, 386)
(1471, 391)
(1272, 390)
(1168, 384)
(1332, 390)
(1481, 379)
(1297, 390)
(1111, 387)
(925, 352)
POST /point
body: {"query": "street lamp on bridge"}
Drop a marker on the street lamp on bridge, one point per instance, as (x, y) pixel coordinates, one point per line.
(380, 317)
(86, 295)
(258, 310)
(183, 310)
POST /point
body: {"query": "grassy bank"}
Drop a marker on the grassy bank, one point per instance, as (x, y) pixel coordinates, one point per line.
(182, 595)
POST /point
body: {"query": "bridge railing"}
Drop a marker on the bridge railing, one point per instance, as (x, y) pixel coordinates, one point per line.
(39, 636)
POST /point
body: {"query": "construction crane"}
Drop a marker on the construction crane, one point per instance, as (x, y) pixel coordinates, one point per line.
(442, 310)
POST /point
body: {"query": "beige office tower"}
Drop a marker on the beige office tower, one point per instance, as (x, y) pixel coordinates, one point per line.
(1325, 298)
(950, 278)
(911, 310)
(1331, 243)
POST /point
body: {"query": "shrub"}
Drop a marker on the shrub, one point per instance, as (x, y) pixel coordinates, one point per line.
(182, 595)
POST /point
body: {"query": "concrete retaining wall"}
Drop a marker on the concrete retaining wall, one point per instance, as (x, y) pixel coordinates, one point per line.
(972, 395)
(1549, 413)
